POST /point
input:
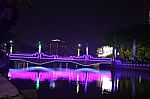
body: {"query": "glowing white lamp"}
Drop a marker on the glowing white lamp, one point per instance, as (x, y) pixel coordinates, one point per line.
(40, 47)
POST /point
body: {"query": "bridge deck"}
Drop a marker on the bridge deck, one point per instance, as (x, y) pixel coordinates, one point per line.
(41, 58)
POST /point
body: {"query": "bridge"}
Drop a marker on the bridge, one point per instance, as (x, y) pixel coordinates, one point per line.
(41, 58)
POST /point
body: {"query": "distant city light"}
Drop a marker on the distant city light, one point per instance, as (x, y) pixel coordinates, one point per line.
(56, 40)
(5, 44)
(118, 53)
(10, 41)
(11, 46)
(104, 51)
(5, 47)
(11, 50)
(79, 45)
(78, 50)
(87, 50)
(115, 52)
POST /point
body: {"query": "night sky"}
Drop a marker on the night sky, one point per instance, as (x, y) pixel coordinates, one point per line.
(77, 21)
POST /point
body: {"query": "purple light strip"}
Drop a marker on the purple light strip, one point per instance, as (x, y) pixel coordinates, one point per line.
(76, 59)
(24, 54)
(36, 54)
(44, 55)
(104, 62)
(17, 57)
(55, 56)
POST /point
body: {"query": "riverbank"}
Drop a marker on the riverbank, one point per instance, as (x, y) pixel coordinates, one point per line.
(118, 64)
(8, 90)
(134, 67)
(128, 67)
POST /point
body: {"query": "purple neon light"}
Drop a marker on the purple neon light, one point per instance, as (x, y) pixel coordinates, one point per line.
(55, 58)
(98, 62)
(23, 54)
(44, 56)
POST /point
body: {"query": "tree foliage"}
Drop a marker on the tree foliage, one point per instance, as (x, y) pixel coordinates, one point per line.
(9, 12)
(123, 38)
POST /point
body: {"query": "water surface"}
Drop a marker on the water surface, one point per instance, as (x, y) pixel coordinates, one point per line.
(82, 83)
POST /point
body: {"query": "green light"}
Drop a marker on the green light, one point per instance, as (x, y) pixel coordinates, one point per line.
(37, 84)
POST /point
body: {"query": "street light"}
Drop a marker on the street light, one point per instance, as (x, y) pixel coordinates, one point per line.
(11, 46)
(78, 50)
(79, 45)
(39, 47)
(87, 49)
(10, 41)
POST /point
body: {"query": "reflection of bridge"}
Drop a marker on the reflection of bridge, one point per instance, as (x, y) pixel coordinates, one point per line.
(82, 76)
(53, 74)
(41, 58)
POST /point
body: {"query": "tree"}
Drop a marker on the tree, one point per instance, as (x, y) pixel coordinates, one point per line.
(9, 12)
(122, 39)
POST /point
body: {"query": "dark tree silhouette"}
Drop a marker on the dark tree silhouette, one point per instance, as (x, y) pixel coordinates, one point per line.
(122, 39)
(9, 12)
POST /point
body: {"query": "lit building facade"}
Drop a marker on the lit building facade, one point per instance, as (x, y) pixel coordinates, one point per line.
(104, 51)
(57, 47)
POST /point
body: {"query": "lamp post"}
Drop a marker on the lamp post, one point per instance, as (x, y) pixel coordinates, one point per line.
(4, 51)
(11, 46)
(78, 50)
(87, 49)
(134, 49)
(39, 47)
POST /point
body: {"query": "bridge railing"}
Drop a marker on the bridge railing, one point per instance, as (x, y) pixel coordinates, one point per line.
(44, 56)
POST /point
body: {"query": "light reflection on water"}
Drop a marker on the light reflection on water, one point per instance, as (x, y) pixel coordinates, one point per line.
(64, 81)
(82, 76)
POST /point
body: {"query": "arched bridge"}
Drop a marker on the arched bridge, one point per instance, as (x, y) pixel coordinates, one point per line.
(41, 58)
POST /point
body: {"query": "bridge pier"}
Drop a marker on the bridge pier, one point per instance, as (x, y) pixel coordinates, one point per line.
(66, 65)
(27, 64)
(60, 65)
(76, 66)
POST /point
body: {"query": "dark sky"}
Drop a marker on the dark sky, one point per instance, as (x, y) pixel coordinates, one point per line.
(77, 21)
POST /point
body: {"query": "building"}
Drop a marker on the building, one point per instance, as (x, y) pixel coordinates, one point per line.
(104, 51)
(147, 11)
(57, 47)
